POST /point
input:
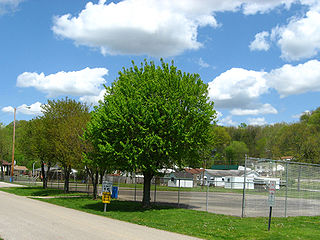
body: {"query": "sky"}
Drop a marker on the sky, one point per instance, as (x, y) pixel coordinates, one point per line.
(260, 59)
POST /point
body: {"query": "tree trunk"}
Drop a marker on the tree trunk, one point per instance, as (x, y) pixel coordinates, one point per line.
(101, 175)
(67, 170)
(47, 174)
(147, 177)
(2, 175)
(43, 176)
(95, 181)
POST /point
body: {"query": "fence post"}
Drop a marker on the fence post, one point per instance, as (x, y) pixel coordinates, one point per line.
(207, 195)
(244, 187)
(135, 187)
(87, 184)
(286, 197)
(179, 194)
(299, 176)
(155, 189)
(119, 184)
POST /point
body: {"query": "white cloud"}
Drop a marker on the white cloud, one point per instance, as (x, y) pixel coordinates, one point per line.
(152, 27)
(219, 114)
(94, 100)
(260, 43)
(9, 5)
(289, 80)
(297, 116)
(237, 88)
(156, 28)
(227, 121)
(33, 109)
(8, 109)
(300, 39)
(77, 83)
(257, 121)
(203, 64)
(258, 6)
(263, 109)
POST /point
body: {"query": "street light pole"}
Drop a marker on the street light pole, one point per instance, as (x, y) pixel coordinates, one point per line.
(13, 142)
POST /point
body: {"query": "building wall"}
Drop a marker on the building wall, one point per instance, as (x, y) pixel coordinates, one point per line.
(237, 183)
(183, 183)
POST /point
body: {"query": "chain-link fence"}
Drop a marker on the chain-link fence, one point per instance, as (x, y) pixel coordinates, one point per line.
(297, 188)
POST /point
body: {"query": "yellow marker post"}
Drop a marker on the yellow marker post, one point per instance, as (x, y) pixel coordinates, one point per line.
(106, 198)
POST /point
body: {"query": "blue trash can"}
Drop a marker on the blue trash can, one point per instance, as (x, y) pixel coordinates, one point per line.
(114, 192)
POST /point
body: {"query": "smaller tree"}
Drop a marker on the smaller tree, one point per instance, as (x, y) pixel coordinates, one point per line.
(235, 152)
(69, 119)
(96, 164)
(3, 149)
(37, 145)
(221, 139)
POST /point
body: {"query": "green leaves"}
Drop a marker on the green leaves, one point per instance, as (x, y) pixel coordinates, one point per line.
(154, 117)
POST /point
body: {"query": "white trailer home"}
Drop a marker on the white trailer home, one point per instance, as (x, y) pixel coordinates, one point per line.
(233, 182)
(180, 179)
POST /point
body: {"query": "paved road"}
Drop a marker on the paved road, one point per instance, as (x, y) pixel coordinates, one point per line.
(23, 218)
(231, 203)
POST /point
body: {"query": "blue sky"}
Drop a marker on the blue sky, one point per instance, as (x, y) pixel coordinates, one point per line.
(259, 58)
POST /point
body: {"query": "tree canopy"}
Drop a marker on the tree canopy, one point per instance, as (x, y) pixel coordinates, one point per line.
(152, 117)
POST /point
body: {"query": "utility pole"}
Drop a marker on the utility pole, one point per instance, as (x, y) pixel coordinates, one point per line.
(13, 142)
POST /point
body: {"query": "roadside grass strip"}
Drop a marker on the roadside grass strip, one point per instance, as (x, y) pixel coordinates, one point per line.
(40, 192)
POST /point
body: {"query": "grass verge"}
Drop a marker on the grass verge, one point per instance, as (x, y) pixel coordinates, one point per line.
(39, 191)
(190, 222)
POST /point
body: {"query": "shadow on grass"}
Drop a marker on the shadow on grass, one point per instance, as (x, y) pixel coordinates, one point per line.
(36, 191)
(125, 206)
(131, 206)
(47, 192)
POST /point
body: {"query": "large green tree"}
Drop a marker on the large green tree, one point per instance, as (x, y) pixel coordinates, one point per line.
(152, 117)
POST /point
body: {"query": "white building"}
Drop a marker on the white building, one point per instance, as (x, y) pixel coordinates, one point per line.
(232, 182)
(181, 179)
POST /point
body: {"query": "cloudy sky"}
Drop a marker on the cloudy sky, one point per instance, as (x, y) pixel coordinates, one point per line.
(260, 59)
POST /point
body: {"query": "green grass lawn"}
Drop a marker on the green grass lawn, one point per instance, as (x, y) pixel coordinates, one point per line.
(190, 222)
